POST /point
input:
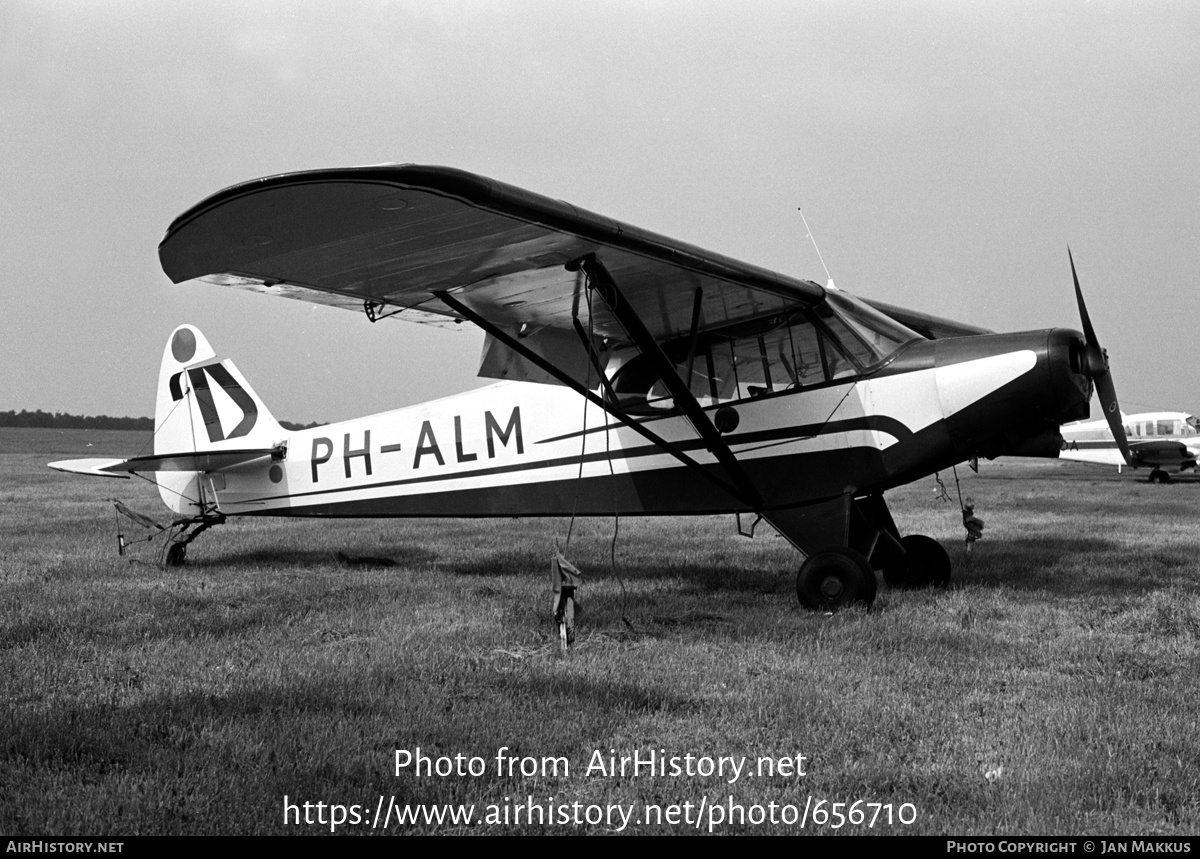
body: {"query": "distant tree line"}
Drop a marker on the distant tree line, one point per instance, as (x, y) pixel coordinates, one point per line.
(60, 420)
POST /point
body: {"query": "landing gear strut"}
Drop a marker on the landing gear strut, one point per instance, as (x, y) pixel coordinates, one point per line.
(176, 549)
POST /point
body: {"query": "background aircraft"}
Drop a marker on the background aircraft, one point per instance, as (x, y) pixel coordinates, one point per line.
(1157, 440)
(647, 376)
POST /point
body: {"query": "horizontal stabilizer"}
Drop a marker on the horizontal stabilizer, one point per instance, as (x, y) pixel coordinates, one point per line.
(91, 467)
(207, 460)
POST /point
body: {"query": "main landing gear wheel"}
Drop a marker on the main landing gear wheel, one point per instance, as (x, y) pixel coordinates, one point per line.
(1159, 476)
(835, 579)
(176, 552)
(926, 563)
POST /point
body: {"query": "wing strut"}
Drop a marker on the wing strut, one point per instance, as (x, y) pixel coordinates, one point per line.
(609, 407)
(600, 280)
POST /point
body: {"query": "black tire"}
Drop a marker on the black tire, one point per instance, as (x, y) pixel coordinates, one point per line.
(899, 576)
(176, 552)
(1159, 476)
(926, 563)
(929, 556)
(835, 579)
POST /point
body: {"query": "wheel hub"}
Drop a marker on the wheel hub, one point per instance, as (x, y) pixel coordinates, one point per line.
(832, 587)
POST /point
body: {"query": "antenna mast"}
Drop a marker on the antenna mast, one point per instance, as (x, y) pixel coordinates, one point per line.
(813, 239)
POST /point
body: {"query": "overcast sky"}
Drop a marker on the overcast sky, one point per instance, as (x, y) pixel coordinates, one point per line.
(944, 153)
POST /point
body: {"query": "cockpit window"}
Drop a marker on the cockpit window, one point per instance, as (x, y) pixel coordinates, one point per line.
(840, 339)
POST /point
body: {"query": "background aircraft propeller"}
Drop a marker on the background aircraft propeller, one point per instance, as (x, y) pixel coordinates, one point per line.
(1097, 368)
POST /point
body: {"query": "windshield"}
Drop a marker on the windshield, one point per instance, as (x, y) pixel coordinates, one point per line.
(878, 334)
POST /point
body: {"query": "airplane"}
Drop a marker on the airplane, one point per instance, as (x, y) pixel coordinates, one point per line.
(1157, 440)
(640, 375)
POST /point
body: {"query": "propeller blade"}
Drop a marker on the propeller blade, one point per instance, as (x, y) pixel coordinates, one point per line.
(1089, 333)
(1106, 392)
(1097, 367)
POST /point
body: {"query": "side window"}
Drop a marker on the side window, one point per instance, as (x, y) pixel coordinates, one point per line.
(790, 355)
(724, 369)
(794, 352)
(638, 389)
(1166, 427)
(748, 361)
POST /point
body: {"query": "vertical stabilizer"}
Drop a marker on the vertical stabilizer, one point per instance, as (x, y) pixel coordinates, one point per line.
(203, 404)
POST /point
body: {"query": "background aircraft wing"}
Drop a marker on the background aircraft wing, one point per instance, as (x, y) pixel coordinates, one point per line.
(1160, 453)
(1150, 453)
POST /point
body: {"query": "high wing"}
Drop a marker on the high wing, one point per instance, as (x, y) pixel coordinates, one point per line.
(387, 238)
(392, 240)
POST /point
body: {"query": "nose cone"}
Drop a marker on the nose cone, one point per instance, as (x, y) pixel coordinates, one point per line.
(1071, 383)
(1001, 391)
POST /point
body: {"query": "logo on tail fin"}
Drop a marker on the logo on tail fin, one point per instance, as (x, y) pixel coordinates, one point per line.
(199, 377)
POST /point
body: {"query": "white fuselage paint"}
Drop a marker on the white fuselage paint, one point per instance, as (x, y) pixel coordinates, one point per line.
(451, 444)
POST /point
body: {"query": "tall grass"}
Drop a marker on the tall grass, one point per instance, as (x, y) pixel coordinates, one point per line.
(1051, 689)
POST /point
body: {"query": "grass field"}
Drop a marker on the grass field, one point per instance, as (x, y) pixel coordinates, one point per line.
(1051, 690)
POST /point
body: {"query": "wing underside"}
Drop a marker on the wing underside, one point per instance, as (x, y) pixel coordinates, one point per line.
(386, 239)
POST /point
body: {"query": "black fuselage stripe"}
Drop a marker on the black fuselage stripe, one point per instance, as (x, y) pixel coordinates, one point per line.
(879, 423)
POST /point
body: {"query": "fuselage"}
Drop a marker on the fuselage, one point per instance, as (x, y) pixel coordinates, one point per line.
(525, 449)
(1156, 439)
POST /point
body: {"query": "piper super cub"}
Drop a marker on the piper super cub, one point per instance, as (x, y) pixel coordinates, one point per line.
(711, 385)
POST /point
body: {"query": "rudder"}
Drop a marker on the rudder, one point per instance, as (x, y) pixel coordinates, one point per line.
(203, 404)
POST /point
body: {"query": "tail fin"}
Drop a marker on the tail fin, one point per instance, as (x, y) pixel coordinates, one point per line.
(203, 404)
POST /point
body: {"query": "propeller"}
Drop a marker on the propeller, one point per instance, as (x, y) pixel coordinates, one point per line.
(1097, 369)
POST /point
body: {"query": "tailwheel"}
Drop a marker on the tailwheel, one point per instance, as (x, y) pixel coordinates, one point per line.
(834, 579)
(176, 548)
(925, 563)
